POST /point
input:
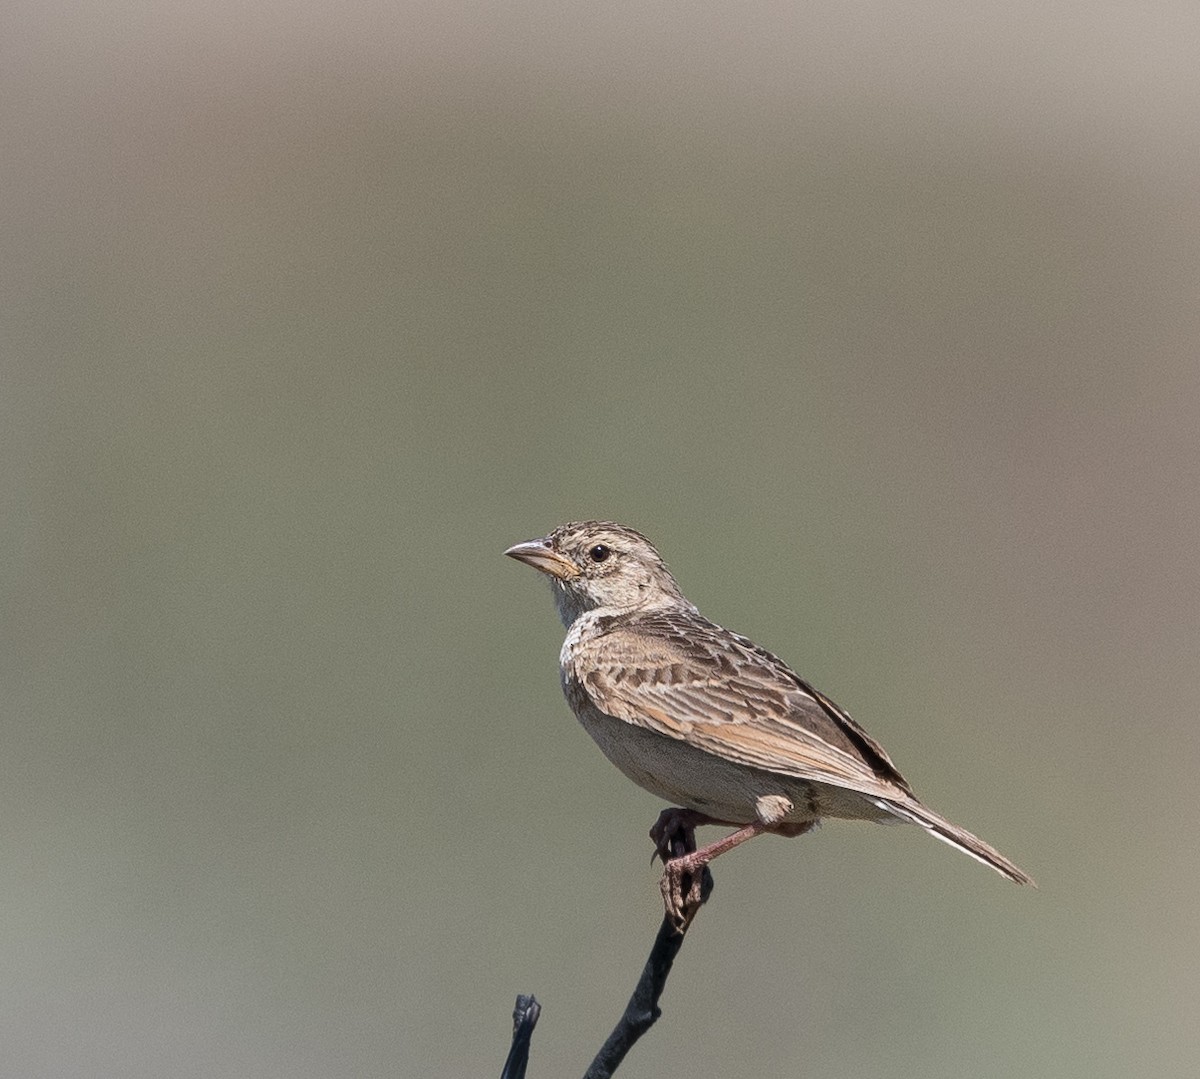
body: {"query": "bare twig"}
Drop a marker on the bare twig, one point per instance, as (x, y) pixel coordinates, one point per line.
(642, 1011)
(525, 1017)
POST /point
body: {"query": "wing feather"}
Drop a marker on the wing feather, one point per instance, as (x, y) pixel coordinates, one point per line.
(687, 678)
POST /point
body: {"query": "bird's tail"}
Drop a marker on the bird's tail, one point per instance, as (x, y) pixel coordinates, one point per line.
(937, 825)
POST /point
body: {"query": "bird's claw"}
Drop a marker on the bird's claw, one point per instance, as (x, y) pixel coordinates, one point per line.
(674, 833)
(686, 882)
(686, 885)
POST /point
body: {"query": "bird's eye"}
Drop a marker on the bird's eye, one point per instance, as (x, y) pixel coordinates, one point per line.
(599, 553)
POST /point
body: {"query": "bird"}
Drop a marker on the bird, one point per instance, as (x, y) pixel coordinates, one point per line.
(705, 719)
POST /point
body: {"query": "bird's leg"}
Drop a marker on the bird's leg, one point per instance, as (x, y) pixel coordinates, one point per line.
(674, 835)
(682, 875)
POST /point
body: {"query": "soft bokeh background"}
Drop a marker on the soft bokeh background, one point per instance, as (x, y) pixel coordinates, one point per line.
(881, 319)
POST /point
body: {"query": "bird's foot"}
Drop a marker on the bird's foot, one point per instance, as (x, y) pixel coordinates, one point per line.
(686, 885)
(674, 833)
(687, 882)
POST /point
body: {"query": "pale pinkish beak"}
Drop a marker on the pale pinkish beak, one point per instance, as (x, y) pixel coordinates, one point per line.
(541, 557)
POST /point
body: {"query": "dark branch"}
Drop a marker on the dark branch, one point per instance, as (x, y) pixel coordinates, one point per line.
(525, 1017)
(642, 1011)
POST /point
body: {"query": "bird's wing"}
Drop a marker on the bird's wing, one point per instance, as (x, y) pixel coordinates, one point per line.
(687, 678)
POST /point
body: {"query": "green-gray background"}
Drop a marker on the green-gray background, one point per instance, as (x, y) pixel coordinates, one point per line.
(881, 319)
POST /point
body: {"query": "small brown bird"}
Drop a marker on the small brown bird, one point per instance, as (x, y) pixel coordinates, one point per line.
(703, 717)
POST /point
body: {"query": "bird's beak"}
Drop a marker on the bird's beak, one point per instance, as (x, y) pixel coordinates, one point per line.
(539, 555)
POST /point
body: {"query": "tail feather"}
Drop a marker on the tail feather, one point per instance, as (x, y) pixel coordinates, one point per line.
(937, 826)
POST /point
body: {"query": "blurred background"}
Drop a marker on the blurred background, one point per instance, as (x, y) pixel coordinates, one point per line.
(880, 320)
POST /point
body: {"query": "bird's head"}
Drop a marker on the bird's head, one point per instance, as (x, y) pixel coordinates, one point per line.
(600, 565)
